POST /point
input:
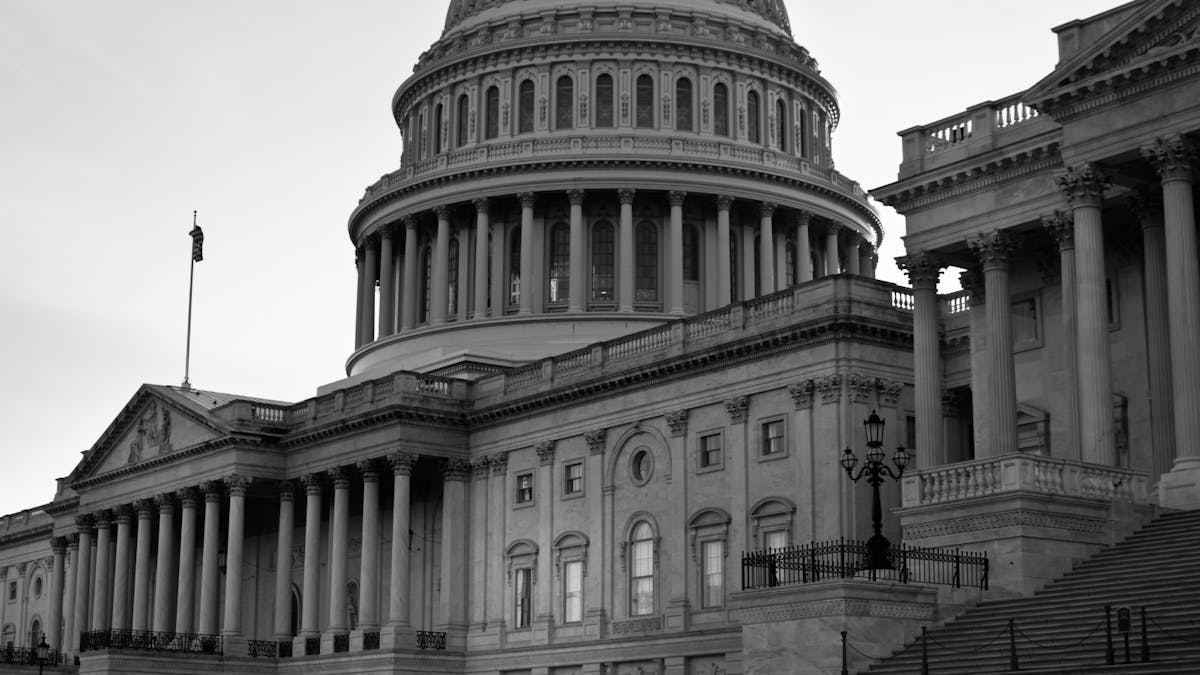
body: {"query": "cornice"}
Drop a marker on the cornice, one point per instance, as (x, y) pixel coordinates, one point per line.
(162, 460)
(387, 415)
(1115, 87)
(31, 534)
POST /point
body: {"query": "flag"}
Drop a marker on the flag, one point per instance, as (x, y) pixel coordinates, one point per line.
(197, 243)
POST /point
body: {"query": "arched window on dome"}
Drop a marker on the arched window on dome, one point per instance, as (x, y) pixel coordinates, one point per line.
(753, 123)
(641, 570)
(721, 109)
(452, 273)
(492, 113)
(436, 132)
(603, 261)
(426, 278)
(781, 124)
(564, 103)
(803, 120)
(683, 105)
(420, 135)
(644, 102)
(514, 266)
(560, 263)
(464, 117)
(646, 262)
(525, 107)
(604, 102)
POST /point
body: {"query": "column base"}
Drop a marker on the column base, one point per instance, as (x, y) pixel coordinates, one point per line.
(1179, 488)
(235, 645)
(397, 637)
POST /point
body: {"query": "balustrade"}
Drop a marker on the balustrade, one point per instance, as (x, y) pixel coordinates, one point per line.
(263, 648)
(149, 641)
(428, 639)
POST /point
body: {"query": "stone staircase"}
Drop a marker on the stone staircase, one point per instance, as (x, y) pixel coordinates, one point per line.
(1061, 629)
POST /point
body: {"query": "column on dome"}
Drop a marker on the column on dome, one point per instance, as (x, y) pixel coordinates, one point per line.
(923, 269)
(411, 286)
(482, 227)
(282, 629)
(766, 254)
(853, 260)
(185, 588)
(338, 539)
(387, 281)
(575, 278)
(451, 611)
(1148, 209)
(724, 255)
(439, 282)
(804, 266)
(58, 547)
(833, 263)
(141, 565)
(499, 287)
(309, 626)
(1062, 228)
(210, 575)
(462, 280)
(398, 600)
(625, 251)
(1083, 187)
(674, 267)
(371, 257)
(368, 575)
(866, 262)
(749, 271)
(100, 607)
(161, 618)
(1174, 159)
(83, 579)
(993, 250)
(360, 268)
(528, 278)
(231, 626)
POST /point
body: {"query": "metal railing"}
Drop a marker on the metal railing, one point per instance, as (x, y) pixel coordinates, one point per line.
(312, 646)
(285, 649)
(429, 639)
(844, 559)
(147, 641)
(28, 656)
(371, 639)
(341, 643)
(267, 648)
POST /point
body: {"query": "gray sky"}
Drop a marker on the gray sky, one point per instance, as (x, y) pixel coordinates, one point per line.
(269, 117)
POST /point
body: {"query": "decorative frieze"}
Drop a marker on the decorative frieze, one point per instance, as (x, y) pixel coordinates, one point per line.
(499, 462)
(802, 394)
(838, 607)
(595, 439)
(862, 388)
(545, 452)
(648, 625)
(677, 422)
(830, 387)
(737, 407)
(991, 522)
(889, 392)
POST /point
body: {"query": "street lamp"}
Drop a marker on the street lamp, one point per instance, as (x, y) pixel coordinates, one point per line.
(878, 547)
(43, 653)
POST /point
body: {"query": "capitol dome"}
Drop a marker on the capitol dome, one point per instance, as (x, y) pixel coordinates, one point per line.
(572, 173)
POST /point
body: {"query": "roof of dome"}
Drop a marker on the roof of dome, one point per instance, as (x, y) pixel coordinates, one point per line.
(772, 11)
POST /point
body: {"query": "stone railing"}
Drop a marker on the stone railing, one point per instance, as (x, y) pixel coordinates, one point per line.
(1020, 472)
(956, 303)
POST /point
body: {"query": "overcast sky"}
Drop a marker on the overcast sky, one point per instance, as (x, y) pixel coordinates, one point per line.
(118, 118)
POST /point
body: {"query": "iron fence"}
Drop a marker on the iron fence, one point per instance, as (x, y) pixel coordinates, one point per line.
(312, 646)
(267, 648)
(371, 639)
(148, 641)
(428, 639)
(341, 642)
(844, 559)
(28, 656)
(285, 649)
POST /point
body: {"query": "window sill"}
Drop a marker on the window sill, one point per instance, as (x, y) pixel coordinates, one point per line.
(713, 468)
(572, 495)
(773, 456)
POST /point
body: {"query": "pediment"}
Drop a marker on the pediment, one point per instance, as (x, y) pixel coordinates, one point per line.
(1140, 38)
(156, 422)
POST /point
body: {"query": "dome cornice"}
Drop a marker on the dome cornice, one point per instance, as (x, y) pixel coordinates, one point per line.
(462, 13)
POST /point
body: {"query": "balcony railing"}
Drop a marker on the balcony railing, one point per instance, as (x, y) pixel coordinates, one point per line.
(847, 559)
(429, 639)
(371, 639)
(28, 656)
(264, 648)
(285, 649)
(312, 646)
(341, 643)
(147, 641)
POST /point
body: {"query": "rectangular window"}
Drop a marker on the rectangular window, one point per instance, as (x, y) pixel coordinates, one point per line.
(12, 590)
(714, 574)
(772, 438)
(573, 591)
(525, 488)
(775, 539)
(522, 596)
(710, 451)
(642, 579)
(573, 479)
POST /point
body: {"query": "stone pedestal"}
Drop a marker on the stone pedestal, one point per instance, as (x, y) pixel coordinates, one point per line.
(400, 638)
(1180, 487)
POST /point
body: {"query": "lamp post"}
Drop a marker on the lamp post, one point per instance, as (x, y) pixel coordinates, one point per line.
(875, 470)
(43, 653)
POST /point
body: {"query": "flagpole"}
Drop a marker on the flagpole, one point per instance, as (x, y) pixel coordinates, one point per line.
(187, 358)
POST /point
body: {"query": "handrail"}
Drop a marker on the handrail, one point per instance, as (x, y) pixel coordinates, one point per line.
(845, 559)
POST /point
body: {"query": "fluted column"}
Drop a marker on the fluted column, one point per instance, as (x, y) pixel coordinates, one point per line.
(804, 266)
(398, 603)
(625, 252)
(163, 596)
(309, 626)
(185, 588)
(338, 538)
(412, 264)
(58, 547)
(500, 288)
(766, 247)
(482, 227)
(141, 565)
(210, 575)
(360, 267)
(833, 263)
(1062, 228)
(100, 607)
(68, 637)
(282, 629)
(121, 569)
(371, 254)
(1174, 160)
(234, 543)
(452, 610)
(83, 580)
(527, 200)
(923, 269)
(387, 282)
(1083, 187)
(439, 283)
(724, 255)
(853, 259)
(462, 280)
(866, 260)
(993, 249)
(575, 302)
(368, 605)
(675, 252)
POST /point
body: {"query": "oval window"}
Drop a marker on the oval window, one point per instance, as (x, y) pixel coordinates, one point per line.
(641, 466)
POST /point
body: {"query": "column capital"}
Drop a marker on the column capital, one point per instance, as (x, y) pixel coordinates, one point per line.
(971, 279)
(545, 452)
(388, 231)
(410, 221)
(737, 407)
(237, 484)
(402, 463)
(595, 439)
(923, 268)
(767, 209)
(287, 491)
(993, 249)
(1172, 157)
(211, 490)
(103, 519)
(73, 541)
(1061, 226)
(58, 545)
(499, 462)
(165, 503)
(371, 241)
(1147, 207)
(480, 467)
(455, 470)
(312, 484)
(676, 197)
(802, 218)
(832, 228)
(144, 508)
(626, 195)
(481, 204)
(677, 421)
(1082, 185)
(367, 469)
(442, 211)
(575, 197)
(724, 202)
(186, 497)
(85, 522)
(124, 514)
(527, 199)
(341, 477)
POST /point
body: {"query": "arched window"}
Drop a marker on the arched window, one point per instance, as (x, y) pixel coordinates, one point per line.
(683, 105)
(420, 135)
(646, 262)
(436, 132)
(709, 534)
(514, 267)
(452, 273)
(644, 103)
(604, 102)
(721, 109)
(753, 130)
(560, 263)
(525, 106)
(781, 124)
(426, 277)
(464, 116)
(603, 260)
(691, 253)
(564, 103)
(492, 112)
(641, 570)
(803, 119)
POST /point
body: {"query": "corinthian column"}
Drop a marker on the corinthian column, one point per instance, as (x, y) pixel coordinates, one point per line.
(1083, 187)
(58, 546)
(527, 200)
(482, 226)
(368, 610)
(412, 263)
(103, 572)
(372, 273)
(68, 638)
(1062, 228)
(186, 587)
(232, 624)
(360, 267)
(210, 576)
(575, 280)
(83, 579)
(766, 250)
(398, 604)
(439, 284)
(993, 250)
(337, 549)
(452, 615)
(312, 552)
(387, 282)
(283, 562)
(724, 255)
(675, 252)
(625, 254)
(804, 266)
(923, 269)
(165, 564)
(141, 568)
(833, 264)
